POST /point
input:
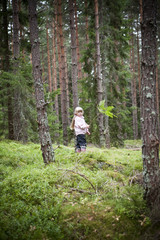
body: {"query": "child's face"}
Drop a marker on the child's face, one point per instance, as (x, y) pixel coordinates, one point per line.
(79, 113)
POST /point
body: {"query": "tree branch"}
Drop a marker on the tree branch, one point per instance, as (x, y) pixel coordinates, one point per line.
(80, 174)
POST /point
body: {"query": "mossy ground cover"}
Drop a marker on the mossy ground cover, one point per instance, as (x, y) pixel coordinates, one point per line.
(94, 195)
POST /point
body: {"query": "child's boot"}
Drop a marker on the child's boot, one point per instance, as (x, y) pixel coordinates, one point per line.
(78, 150)
(83, 149)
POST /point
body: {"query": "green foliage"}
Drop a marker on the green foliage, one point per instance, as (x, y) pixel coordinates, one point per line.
(105, 110)
(80, 196)
(23, 83)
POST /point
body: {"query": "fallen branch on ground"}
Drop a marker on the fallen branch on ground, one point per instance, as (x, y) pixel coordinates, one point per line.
(80, 174)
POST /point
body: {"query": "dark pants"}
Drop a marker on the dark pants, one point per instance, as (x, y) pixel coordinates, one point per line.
(81, 141)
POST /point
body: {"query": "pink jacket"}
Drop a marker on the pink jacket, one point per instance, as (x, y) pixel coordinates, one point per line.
(80, 125)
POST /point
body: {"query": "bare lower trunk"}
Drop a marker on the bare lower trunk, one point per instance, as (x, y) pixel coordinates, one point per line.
(45, 139)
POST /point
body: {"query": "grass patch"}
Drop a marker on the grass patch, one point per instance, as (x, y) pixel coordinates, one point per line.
(80, 196)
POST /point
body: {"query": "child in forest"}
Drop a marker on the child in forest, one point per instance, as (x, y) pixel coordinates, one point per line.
(81, 128)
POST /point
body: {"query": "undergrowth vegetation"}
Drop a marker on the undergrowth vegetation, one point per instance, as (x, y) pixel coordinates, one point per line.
(94, 195)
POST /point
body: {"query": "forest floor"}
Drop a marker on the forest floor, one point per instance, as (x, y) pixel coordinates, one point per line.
(95, 195)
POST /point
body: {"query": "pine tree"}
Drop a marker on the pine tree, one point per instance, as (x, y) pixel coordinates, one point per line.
(46, 144)
(63, 76)
(54, 76)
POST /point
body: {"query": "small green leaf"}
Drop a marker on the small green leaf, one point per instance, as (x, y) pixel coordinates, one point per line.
(106, 110)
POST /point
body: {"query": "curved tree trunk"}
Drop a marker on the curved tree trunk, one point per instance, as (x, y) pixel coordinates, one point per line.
(44, 135)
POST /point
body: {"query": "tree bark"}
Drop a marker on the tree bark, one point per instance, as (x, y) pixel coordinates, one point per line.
(73, 56)
(44, 135)
(58, 45)
(67, 84)
(104, 76)
(138, 59)
(134, 94)
(77, 42)
(157, 89)
(49, 61)
(54, 77)
(98, 76)
(149, 117)
(86, 23)
(6, 65)
(17, 119)
(63, 75)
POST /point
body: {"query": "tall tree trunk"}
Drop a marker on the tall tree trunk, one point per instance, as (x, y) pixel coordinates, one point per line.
(45, 139)
(104, 75)
(73, 56)
(49, 61)
(77, 42)
(86, 22)
(134, 94)
(106, 118)
(21, 29)
(17, 120)
(149, 116)
(86, 30)
(58, 44)
(157, 89)
(98, 76)
(141, 12)
(54, 76)
(43, 71)
(67, 84)
(6, 65)
(138, 59)
(63, 75)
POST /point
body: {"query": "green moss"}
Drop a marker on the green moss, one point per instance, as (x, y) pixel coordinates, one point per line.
(80, 196)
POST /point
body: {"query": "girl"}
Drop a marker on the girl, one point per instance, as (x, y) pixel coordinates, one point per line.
(81, 128)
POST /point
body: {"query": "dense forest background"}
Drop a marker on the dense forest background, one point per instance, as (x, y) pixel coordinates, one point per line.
(102, 56)
(70, 64)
